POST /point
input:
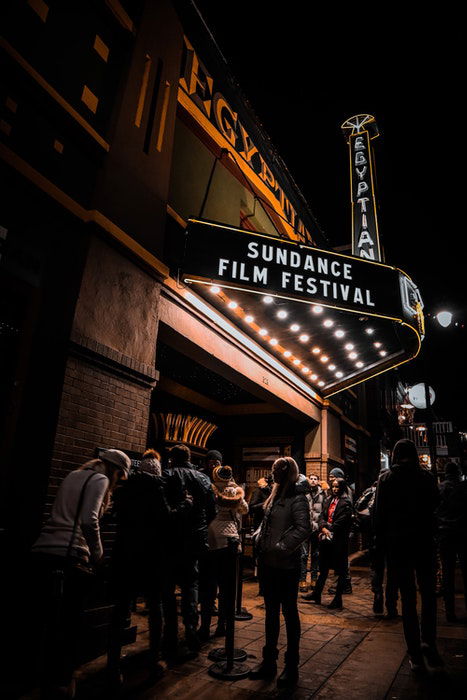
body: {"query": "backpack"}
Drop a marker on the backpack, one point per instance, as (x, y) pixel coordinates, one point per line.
(364, 509)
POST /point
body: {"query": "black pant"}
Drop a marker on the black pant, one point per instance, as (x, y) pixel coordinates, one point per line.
(215, 570)
(280, 588)
(377, 566)
(184, 572)
(61, 599)
(407, 562)
(332, 556)
(452, 546)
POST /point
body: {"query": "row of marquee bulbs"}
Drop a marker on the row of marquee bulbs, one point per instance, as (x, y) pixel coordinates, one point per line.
(304, 337)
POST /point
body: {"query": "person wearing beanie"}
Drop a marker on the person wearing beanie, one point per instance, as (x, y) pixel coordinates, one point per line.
(66, 549)
(231, 505)
(404, 514)
(213, 459)
(452, 534)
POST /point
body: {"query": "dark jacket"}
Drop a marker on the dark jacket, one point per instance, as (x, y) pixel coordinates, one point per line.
(337, 548)
(286, 524)
(189, 533)
(452, 510)
(405, 503)
(255, 505)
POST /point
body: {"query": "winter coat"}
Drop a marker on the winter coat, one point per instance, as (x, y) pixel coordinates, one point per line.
(337, 548)
(189, 532)
(452, 511)
(286, 524)
(258, 497)
(143, 518)
(404, 510)
(316, 497)
(227, 522)
(58, 530)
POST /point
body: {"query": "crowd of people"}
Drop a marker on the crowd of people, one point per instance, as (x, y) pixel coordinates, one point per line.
(174, 526)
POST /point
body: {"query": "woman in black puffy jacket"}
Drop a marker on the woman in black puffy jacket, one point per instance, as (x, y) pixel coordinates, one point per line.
(286, 524)
(334, 528)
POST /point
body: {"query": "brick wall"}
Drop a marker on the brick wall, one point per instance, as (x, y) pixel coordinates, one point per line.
(98, 409)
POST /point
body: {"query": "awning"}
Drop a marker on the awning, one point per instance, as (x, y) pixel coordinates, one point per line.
(334, 319)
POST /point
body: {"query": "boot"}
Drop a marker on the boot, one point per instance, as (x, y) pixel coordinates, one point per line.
(204, 632)
(314, 597)
(191, 638)
(267, 669)
(303, 587)
(220, 629)
(336, 603)
(288, 677)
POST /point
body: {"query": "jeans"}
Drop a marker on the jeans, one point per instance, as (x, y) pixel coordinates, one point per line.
(328, 560)
(184, 572)
(409, 562)
(452, 546)
(309, 546)
(280, 588)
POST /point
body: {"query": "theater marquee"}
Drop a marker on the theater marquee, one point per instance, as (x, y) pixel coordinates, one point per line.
(354, 288)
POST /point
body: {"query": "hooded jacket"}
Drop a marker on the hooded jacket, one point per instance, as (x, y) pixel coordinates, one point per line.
(258, 497)
(452, 511)
(405, 503)
(231, 505)
(316, 497)
(286, 524)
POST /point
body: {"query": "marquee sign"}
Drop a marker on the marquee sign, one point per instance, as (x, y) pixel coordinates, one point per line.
(365, 234)
(266, 265)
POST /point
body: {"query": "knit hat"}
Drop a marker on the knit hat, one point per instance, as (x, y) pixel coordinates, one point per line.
(228, 493)
(337, 473)
(221, 475)
(214, 454)
(151, 463)
(118, 458)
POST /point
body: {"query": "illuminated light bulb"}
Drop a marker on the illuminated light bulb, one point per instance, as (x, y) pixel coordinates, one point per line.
(328, 323)
(296, 361)
(359, 364)
(249, 318)
(316, 350)
(232, 304)
(321, 383)
(339, 334)
(268, 300)
(349, 346)
(370, 331)
(262, 331)
(383, 353)
(377, 345)
(332, 367)
(317, 309)
(444, 318)
(287, 353)
(294, 327)
(305, 370)
(215, 290)
(314, 377)
(339, 375)
(304, 337)
(273, 341)
(282, 314)
(353, 355)
(324, 358)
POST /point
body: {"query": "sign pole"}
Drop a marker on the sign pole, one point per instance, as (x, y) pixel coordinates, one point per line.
(429, 432)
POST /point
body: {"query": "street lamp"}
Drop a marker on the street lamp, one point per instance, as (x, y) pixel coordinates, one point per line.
(444, 318)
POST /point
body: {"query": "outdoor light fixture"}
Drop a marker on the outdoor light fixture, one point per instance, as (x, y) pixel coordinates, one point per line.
(324, 358)
(339, 334)
(215, 290)
(349, 346)
(314, 377)
(317, 309)
(294, 327)
(321, 383)
(305, 370)
(296, 361)
(332, 367)
(232, 304)
(353, 355)
(377, 345)
(282, 314)
(316, 350)
(287, 353)
(359, 364)
(328, 323)
(249, 318)
(268, 300)
(383, 353)
(304, 337)
(339, 374)
(370, 331)
(263, 331)
(273, 341)
(444, 318)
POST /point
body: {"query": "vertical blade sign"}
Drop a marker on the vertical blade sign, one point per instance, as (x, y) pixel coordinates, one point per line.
(365, 235)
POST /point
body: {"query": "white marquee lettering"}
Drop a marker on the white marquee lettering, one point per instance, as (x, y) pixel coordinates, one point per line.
(260, 274)
(362, 201)
(223, 262)
(357, 296)
(360, 159)
(242, 275)
(308, 263)
(369, 254)
(361, 172)
(310, 283)
(345, 288)
(365, 238)
(294, 259)
(325, 285)
(285, 279)
(252, 250)
(359, 145)
(347, 267)
(362, 187)
(335, 268)
(323, 266)
(368, 298)
(298, 283)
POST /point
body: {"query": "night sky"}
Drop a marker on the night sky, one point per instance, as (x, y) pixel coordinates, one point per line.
(304, 75)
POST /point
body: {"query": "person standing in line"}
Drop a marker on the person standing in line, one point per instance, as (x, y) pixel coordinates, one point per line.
(452, 534)
(406, 500)
(64, 553)
(334, 527)
(187, 541)
(316, 497)
(286, 525)
(337, 473)
(143, 517)
(207, 589)
(231, 505)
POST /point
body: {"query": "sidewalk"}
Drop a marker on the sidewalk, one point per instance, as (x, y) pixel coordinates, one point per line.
(347, 654)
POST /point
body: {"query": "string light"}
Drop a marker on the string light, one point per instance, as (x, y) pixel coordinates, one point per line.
(316, 350)
(321, 383)
(232, 304)
(377, 345)
(305, 370)
(314, 377)
(353, 355)
(339, 375)
(339, 334)
(282, 314)
(294, 327)
(296, 361)
(324, 358)
(349, 346)
(383, 353)
(370, 331)
(215, 290)
(262, 331)
(268, 300)
(287, 353)
(359, 364)
(304, 337)
(249, 318)
(317, 309)
(332, 367)
(328, 323)
(273, 341)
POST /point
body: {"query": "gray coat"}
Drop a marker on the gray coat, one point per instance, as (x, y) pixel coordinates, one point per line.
(316, 502)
